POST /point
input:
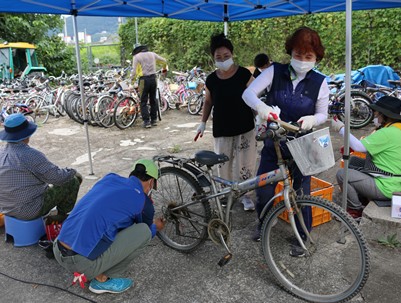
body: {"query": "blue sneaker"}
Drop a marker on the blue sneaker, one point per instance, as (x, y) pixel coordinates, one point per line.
(112, 285)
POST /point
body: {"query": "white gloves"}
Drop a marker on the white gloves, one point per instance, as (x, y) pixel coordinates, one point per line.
(336, 124)
(200, 130)
(307, 122)
(267, 112)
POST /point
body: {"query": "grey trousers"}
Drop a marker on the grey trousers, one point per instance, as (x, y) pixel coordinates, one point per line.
(128, 244)
(360, 185)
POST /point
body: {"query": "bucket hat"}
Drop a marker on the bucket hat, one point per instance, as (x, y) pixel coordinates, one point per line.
(17, 128)
(388, 106)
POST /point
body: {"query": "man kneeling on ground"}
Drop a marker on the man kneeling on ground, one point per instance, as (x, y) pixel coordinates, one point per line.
(109, 227)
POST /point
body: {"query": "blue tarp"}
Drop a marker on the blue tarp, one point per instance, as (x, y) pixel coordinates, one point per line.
(377, 74)
(203, 10)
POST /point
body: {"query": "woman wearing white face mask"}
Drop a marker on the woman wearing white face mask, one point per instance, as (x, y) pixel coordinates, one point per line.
(302, 96)
(384, 152)
(233, 123)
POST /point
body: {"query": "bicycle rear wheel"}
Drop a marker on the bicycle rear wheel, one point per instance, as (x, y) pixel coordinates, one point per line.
(125, 112)
(186, 227)
(332, 271)
(360, 114)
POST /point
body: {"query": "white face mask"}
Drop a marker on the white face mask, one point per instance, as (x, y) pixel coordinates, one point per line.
(376, 122)
(225, 65)
(302, 67)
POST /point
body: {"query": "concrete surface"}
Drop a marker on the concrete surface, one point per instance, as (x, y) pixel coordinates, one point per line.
(162, 274)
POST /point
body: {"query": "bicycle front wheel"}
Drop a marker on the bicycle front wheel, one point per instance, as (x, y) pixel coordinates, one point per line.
(186, 224)
(335, 267)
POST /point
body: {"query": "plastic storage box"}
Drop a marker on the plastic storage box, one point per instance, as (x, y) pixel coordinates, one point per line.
(319, 188)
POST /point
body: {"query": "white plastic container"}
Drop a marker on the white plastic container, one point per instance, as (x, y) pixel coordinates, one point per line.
(313, 152)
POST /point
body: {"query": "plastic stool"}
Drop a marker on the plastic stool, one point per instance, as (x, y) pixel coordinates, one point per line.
(25, 233)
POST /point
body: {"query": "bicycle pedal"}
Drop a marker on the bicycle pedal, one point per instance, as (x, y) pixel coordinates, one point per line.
(223, 261)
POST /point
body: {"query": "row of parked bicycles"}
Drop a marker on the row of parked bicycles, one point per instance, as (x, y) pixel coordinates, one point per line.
(111, 99)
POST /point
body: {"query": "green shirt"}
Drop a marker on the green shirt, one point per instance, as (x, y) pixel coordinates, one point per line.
(384, 146)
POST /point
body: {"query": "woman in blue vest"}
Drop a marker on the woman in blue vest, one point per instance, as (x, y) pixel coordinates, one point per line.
(302, 95)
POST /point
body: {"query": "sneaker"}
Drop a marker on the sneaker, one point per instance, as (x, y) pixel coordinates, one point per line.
(256, 233)
(112, 285)
(147, 124)
(153, 123)
(224, 201)
(296, 250)
(248, 203)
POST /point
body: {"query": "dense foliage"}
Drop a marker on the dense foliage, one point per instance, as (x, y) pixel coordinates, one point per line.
(186, 43)
(40, 30)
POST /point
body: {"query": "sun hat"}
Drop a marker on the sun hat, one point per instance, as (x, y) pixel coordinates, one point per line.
(150, 168)
(388, 106)
(138, 48)
(17, 128)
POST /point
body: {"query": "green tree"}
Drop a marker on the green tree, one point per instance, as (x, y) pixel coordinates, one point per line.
(40, 30)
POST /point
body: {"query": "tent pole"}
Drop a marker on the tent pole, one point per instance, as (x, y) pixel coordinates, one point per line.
(348, 52)
(81, 88)
(225, 28)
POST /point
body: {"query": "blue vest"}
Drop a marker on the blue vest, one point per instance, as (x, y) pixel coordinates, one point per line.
(298, 103)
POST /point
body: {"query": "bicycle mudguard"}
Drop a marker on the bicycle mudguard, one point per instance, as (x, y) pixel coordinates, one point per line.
(203, 181)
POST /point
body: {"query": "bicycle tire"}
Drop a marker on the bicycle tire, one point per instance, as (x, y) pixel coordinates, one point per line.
(163, 105)
(125, 112)
(195, 103)
(360, 112)
(185, 229)
(172, 101)
(333, 272)
(105, 114)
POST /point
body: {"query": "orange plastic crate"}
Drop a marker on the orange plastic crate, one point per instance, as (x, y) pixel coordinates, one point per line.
(1, 220)
(319, 188)
(355, 154)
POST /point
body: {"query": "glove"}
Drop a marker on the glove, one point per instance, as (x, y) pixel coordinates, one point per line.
(307, 122)
(336, 124)
(266, 112)
(200, 130)
(276, 110)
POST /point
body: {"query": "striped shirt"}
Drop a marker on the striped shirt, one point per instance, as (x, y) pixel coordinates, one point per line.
(25, 174)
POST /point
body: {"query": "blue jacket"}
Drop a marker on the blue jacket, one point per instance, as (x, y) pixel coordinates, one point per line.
(114, 203)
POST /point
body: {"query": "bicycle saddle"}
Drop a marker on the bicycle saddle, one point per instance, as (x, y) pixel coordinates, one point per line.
(209, 158)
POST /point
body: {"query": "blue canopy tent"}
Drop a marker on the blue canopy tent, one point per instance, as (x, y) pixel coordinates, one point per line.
(204, 10)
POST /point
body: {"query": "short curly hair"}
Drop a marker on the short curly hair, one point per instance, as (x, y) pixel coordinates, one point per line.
(218, 41)
(305, 40)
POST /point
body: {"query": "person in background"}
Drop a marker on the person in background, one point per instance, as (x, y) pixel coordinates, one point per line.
(144, 63)
(302, 96)
(109, 228)
(31, 185)
(384, 151)
(233, 123)
(261, 62)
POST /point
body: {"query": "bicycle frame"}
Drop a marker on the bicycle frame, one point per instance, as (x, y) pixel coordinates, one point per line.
(235, 189)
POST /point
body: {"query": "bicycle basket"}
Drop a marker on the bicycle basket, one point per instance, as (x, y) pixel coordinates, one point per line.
(313, 152)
